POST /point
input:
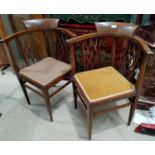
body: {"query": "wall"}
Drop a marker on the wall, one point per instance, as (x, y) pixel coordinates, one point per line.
(9, 32)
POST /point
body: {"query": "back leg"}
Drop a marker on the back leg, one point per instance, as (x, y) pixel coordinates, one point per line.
(24, 90)
(75, 95)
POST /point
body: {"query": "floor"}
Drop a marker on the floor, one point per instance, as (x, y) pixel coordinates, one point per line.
(30, 122)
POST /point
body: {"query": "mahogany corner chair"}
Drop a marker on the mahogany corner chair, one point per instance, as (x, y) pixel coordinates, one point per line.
(43, 73)
(102, 81)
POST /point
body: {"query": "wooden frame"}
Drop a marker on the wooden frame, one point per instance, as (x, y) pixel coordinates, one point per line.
(50, 39)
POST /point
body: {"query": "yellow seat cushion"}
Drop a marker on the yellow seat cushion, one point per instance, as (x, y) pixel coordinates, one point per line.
(103, 83)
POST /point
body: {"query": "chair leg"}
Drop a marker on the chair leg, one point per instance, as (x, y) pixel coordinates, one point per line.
(132, 110)
(4, 68)
(24, 90)
(75, 96)
(48, 105)
(90, 122)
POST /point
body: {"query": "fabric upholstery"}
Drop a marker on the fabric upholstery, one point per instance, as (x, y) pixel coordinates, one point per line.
(102, 83)
(45, 71)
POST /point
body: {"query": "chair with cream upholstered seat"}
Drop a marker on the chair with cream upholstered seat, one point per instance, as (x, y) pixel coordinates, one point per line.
(101, 83)
(34, 72)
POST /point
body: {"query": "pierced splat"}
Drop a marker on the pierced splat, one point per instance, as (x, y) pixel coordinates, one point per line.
(96, 52)
(61, 48)
(28, 49)
(62, 51)
(130, 60)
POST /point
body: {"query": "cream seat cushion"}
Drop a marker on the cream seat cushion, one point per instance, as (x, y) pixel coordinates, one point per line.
(103, 83)
(45, 71)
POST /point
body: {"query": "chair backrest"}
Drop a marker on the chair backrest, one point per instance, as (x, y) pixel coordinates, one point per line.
(97, 50)
(55, 43)
(28, 45)
(119, 28)
(46, 42)
(116, 27)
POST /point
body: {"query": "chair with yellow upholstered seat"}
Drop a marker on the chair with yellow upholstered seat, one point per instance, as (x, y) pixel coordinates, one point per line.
(101, 82)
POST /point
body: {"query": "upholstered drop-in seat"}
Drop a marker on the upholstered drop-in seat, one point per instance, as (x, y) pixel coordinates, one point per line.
(100, 84)
(45, 71)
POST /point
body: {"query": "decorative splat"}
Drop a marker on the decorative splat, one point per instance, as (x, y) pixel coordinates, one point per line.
(28, 49)
(61, 47)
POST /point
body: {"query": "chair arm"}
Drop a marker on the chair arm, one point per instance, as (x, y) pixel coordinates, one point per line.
(144, 45)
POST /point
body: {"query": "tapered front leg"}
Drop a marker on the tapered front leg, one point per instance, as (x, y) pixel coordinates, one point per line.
(90, 122)
(48, 105)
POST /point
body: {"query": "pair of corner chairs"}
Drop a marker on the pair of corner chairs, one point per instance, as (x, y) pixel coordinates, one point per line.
(113, 62)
